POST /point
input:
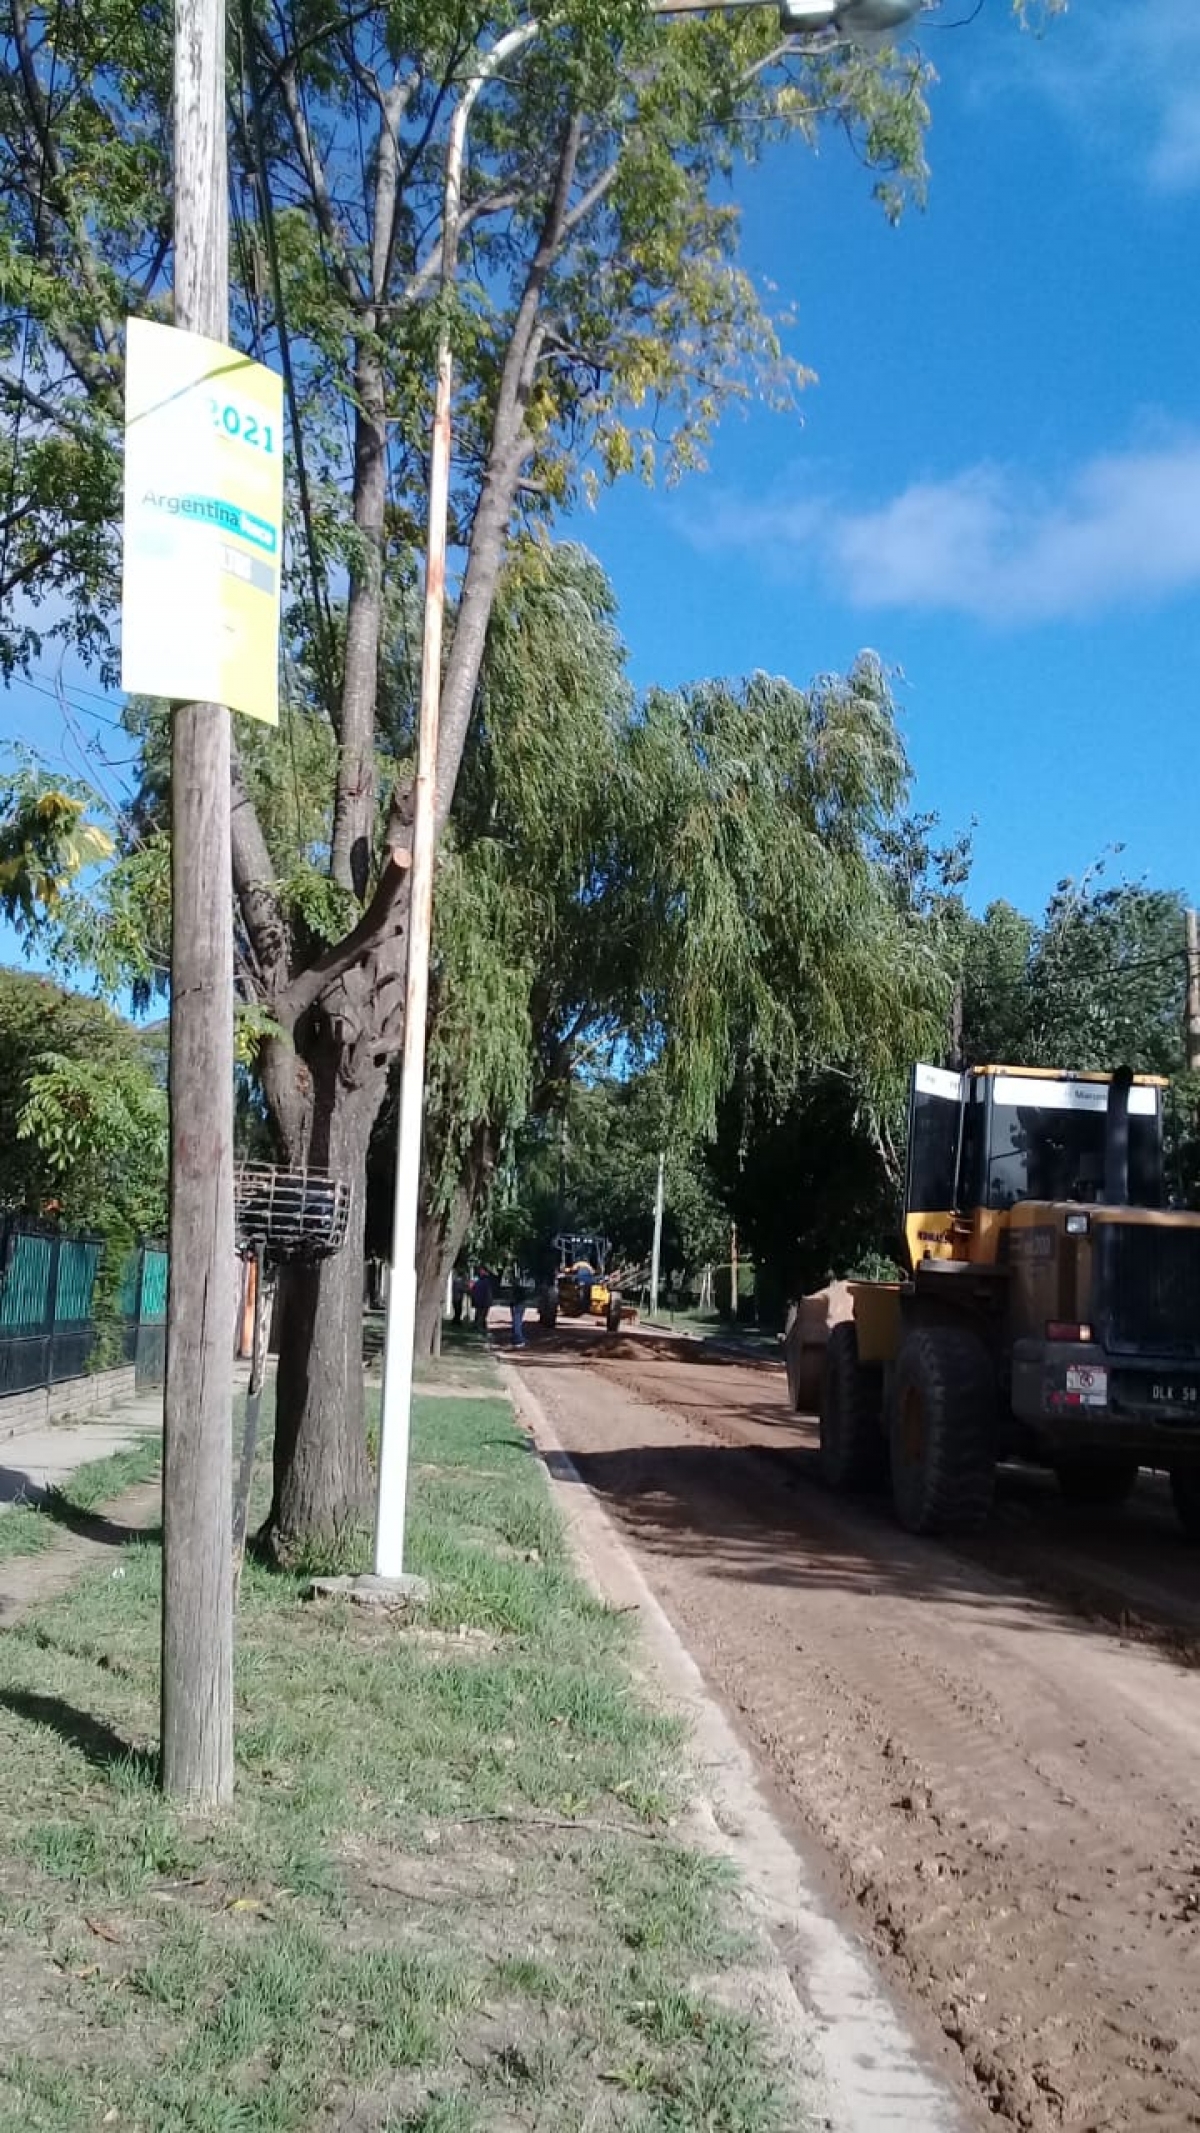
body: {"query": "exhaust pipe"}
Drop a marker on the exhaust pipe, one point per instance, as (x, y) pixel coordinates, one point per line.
(1116, 1139)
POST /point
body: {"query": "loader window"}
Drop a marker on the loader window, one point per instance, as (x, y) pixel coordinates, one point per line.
(933, 1135)
(972, 1178)
(1054, 1154)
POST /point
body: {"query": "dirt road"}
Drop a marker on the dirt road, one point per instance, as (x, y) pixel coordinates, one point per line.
(997, 1745)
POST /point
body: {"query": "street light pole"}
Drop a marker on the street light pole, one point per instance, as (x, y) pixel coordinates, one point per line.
(855, 21)
(400, 1329)
(656, 1246)
(1192, 936)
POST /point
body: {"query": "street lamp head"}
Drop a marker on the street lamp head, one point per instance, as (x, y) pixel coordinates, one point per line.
(863, 22)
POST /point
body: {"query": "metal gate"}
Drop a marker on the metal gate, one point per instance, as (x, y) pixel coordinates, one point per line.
(47, 1332)
(48, 1329)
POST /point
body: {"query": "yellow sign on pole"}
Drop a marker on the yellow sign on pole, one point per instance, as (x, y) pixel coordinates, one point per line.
(203, 522)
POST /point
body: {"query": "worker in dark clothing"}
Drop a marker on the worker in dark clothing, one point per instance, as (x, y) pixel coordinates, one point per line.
(518, 1297)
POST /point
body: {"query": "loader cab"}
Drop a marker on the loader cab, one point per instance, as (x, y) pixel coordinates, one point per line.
(994, 1137)
(574, 1249)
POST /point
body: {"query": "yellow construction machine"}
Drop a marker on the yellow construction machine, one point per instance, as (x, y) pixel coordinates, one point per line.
(582, 1288)
(1051, 1310)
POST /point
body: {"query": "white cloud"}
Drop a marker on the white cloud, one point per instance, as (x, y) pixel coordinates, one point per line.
(1122, 530)
(1126, 75)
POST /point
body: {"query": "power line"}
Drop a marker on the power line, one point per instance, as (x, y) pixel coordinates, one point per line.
(59, 694)
(963, 22)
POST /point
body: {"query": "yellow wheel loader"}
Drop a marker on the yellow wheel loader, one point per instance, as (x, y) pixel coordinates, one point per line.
(1051, 1310)
(582, 1289)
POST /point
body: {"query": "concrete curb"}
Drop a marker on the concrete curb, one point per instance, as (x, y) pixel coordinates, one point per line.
(871, 2076)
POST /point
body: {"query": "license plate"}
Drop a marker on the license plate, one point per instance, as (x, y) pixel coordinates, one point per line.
(1168, 1392)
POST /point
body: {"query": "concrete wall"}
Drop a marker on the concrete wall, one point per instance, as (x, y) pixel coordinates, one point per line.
(71, 1401)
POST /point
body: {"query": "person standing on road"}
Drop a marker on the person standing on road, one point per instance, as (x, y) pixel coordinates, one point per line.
(518, 1296)
(481, 1298)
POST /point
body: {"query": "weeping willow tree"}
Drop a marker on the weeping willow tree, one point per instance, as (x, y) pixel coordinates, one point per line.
(522, 966)
(700, 879)
(771, 932)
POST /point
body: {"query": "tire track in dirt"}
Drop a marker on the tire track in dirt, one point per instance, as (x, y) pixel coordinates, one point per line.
(1009, 1792)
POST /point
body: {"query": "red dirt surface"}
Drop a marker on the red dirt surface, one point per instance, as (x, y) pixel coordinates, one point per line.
(996, 1744)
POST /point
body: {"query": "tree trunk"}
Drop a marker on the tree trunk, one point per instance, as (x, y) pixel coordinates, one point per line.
(440, 1235)
(322, 1481)
(439, 1240)
(321, 1472)
(354, 805)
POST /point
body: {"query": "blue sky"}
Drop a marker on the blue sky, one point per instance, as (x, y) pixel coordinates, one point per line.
(995, 482)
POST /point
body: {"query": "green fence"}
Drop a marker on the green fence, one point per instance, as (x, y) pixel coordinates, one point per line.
(48, 1329)
(146, 1320)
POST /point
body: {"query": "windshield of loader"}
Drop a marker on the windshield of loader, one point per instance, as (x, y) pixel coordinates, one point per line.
(1046, 1142)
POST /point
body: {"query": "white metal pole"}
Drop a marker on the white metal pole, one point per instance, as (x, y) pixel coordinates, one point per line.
(396, 1414)
(1193, 991)
(656, 1247)
(400, 1326)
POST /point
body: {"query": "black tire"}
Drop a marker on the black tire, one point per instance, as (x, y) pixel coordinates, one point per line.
(612, 1317)
(1096, 1477)
(853, 1448)
(942, 1431)
(1185, 1495)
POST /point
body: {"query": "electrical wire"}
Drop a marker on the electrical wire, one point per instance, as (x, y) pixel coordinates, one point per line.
(45, 685)
(964, 21)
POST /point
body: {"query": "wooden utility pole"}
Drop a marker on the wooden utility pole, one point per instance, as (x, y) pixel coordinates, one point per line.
(1193, 993)
(197, 1615)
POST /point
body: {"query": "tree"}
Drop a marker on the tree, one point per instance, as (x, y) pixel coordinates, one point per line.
(1097, 983)
(590, 1166)
(994, 986)
(702, 882)
(83, 1122)
(603, 310)
(809, 1161)
(1107, 977)
(812, 1183)
(101, 1130)
(58, 1040)
(619, 1127)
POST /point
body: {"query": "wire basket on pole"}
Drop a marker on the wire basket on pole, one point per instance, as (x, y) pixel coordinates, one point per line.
(282, 1218)
(290, 1214)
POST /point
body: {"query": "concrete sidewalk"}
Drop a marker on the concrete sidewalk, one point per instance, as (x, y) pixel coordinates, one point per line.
(41, 1459)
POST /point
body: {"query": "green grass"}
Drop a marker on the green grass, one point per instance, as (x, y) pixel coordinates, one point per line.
(29, 1528)
(466, 1358)
(452, 1895)
(711, 1327)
